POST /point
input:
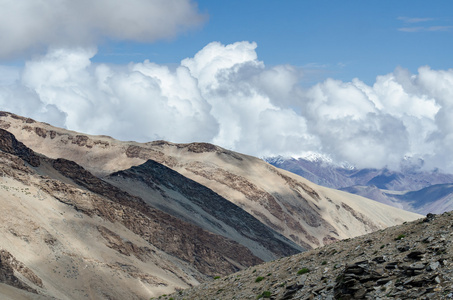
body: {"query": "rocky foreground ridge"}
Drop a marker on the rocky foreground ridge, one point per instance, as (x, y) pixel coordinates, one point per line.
(410, 261)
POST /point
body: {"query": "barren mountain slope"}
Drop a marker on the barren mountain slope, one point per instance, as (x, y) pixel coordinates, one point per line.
(308, 214)
(66, 234)
(188, 200)
(409, 261)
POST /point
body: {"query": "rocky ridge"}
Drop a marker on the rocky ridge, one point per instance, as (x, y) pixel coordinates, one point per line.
(410, 261)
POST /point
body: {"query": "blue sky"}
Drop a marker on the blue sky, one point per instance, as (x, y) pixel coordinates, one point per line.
(339, 39)
(364, 82)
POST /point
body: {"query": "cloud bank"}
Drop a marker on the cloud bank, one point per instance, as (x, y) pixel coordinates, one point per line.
(225, 95)
(28, 25)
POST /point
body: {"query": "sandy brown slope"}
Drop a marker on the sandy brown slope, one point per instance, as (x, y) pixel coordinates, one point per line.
(64, 233)
(308, 214)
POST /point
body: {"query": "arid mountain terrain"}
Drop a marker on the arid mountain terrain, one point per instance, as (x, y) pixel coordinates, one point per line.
(92, 217)
(411, 188)
(409, 261)
(307, 214)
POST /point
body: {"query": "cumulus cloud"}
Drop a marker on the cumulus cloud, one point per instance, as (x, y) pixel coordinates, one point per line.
(141, 101)
(30, 24)
(225, 95)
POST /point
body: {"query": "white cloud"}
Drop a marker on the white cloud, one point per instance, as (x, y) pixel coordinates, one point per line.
(351, 127)
(226, 96)
(30, 24)
(216, 61)
(334, 99)
(141, 101)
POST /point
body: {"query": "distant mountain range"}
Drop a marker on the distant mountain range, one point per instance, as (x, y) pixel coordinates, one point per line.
(410, 189)
(93, 217)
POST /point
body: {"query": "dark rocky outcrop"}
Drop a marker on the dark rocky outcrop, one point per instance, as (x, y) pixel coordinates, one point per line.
(9, 144)
(9, 265)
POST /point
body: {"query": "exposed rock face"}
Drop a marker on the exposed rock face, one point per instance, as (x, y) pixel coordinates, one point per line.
(127, 248)
(410, 261)
(9, 144)
(305, 213)
(9, 266)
